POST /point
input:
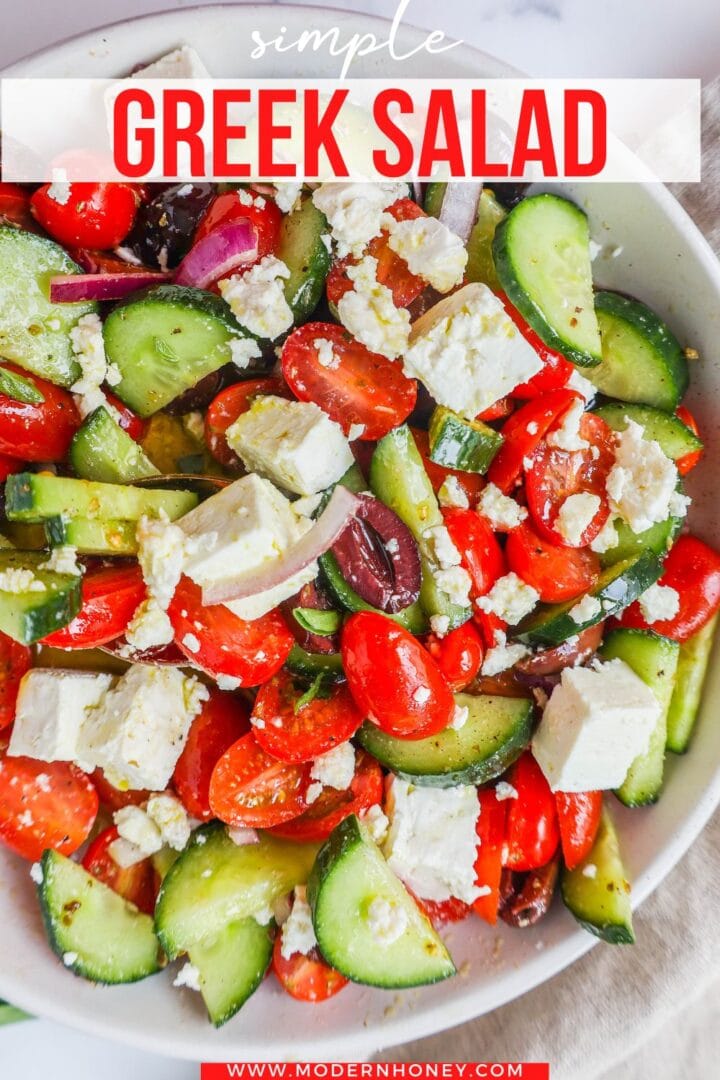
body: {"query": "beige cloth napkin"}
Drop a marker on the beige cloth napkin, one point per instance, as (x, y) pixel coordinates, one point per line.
(651, 1012)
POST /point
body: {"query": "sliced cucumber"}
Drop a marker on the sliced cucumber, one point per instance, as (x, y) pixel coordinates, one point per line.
(692, 665)
(658, 538)
(101, 450)
(675, 438)
(601, 904)
(93, 537)
(463, 444)
(232, 966)
(412, 617)
(496, 732)
(216, 882)
(349, 874)
(434, 195)
(310, 665)
(94, 931)
(398, 478)
(28, 616)
(10, 1015)
(617, 586)
(654, 659)
(542, 257)
(34, 333)
(165, 340)
(39, 496)
(641, 358)
(301, 248)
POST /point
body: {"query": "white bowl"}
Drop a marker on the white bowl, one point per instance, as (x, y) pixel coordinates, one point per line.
(665, 261)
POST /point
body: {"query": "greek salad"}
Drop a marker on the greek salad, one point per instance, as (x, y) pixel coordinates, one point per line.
(344, 583)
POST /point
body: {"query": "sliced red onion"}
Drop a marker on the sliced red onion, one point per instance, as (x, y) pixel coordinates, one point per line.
(71, 288)
(459, 207)
(218, 254)
(417, 192)
(323, 534)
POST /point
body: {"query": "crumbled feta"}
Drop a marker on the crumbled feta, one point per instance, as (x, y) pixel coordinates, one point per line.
(440, 624)
(678, 504)
(169, 815)
(89, 350)
(257, 299)
(63, 560)
(430, 250)
(452, 493)
(287, 193)
(576, 513)
(590, 871)
(246, 198)
(336, 768)
(387, 921)
(188, 976)
(376, 822)
(585, 609)
(432, 842)
(52, 706)
(456, 583)
(297, 934)
(243, 350)
(368, 311)
(502, 656)
(308, 504)
(326, 355)
(567, 435)
(162, 549)
(597, 721)
(642, 481)
(510, 598)
(228, 682)
(356, 432)
(502, 512)
(149, 627)
(124, 853)
(468, 352)
(194, 424)
(421, 695)
(17, 579)
(59, 191)
(69, 958)
(36, 873)
(191, 642)
(659, 602)
(293, 443)
(606, 539)
(355, 211)
(504, 791)
(243, 836)
(581, 385)
(182, 63)
(443, 549)
(136, 827)
(313, 793)
(459, 717)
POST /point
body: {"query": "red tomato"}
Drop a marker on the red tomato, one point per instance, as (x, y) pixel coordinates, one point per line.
(394, 680)
(459, 655)
(556, 369)
(249, 651)
(688, 462)
(40, 432)
(392, 271)
(363, 388)
(532, 833)
(15, 207)
(113, 798)
(225, 409)
(292, 734)
(101, 262)
(96, 215)
(557, 474)
(134, 883)
(480, 553)
(222, 720)
(127, 419)
(557, 573)
(471, 483)
(250, 788)
(578, 816)
(693, 570)
(227, 208)
(44, 804)
(522, 435)
(306, 977)
(498, 411)
(110, 596)
(488, 864)
(9, 465)
(442, 912)
(15, 660)
(333, 806)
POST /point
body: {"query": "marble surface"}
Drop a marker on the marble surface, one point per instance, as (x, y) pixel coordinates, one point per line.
(542, 37)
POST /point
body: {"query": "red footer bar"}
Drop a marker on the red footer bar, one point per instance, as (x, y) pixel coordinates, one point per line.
(357, 1070)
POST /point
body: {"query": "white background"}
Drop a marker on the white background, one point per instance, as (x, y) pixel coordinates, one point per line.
(541, 37)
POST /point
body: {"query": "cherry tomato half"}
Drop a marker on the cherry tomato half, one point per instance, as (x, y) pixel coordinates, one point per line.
(9, 466)
(222, 720)
(129, 421)
(225, 409)
(261, 212)
(248, 788)
(480, 552)
(394, 680)
(300, 734)
(687, 462)
(41, 432)
(110, 596)
(306, 977)
(95, 215)
(113, 798)
(442, 912)
(578, 817)
(459, 655)
(15, 207)
(558, 573)
(359, 387)
(488, 864)
(136, 883)
(556, 369)
(522, 434)
(471, 483)
(15, 661)
(333, 806)
(532, 834)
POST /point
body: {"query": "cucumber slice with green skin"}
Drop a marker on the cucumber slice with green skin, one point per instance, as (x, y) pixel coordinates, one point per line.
(496, 732)
(617, 586)
(692, 666)
(675, 438)
(310, 665)
(34, 333)
(542, 257)
(301, 248)
(101, 450)
(231, 967)
(242, 880)
(28, 616)
(39, 496)
(658, 538)
(412, 617)
(398, 478)
(165, 340)
(641, 358)
(654, 659)
(10, 1015)
(601, 904)
(349, 873)
(94, 931)
(457, 443)
(93, 537)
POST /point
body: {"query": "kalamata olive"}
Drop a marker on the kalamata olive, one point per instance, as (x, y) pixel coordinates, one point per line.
(526, 897)
(310, 596)
(424, 407)
(551, 661)
(164, 227)
(198, 396)
(378, 557)
(509, 194)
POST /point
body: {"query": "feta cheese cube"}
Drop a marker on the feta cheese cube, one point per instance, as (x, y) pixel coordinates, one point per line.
(510, 599)
(257, 298)
(298, 935)
(468, 352)
(336, 768)
(368, 311)
(182, 63)
(576, 513)
(293, 443)
(430, 250)
(386, 920)
(659, 602)
(502, 512)
(52, 706)
(597, 721)
(432, 842)
(355, 211)
(642, 481)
